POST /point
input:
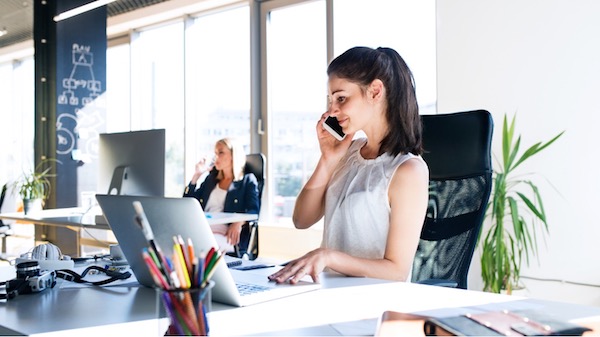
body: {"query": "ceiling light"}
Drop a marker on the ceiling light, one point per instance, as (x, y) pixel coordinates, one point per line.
(3, 32)
(81, 9)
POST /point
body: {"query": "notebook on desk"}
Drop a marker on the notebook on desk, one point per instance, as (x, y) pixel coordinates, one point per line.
(184, 216)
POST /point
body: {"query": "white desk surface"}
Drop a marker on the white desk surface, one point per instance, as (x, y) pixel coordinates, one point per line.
(344, 306)
(82, 217)
(215, 218)
(64, 217)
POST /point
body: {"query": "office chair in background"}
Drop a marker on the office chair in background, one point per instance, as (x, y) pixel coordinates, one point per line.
(458, 152)
(5, 229)
(248, 245)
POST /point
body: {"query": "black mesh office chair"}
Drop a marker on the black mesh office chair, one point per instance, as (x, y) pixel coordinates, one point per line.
(458, 152)
(248, 245)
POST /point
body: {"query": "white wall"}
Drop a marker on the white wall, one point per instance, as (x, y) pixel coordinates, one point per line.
(541, 60)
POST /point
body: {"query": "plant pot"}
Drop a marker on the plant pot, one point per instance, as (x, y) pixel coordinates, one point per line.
(519, 290)
(32, 205)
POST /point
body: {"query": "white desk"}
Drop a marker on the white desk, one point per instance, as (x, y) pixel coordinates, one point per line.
(216, 218)
(62, 217)
(343, 306)
(81, 217)
(78, 218)
(63, 227)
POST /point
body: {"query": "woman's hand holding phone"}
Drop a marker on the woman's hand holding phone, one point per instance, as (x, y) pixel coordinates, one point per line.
(332, 148)
(331, 124)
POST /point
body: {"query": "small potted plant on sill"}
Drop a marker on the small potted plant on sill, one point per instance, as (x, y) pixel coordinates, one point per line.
(34, 187)
(515, 217)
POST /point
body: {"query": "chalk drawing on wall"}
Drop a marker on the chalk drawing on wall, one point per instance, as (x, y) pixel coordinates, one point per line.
(82, 92)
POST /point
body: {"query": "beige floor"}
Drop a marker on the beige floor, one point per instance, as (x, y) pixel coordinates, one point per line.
(285, 243)
(275, 242)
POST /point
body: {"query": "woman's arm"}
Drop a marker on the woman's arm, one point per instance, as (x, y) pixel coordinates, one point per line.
(248, 192)
(309, 207)
(408, 195)
(199, 170)
(310, 203)
(233, 233)
(203, 192)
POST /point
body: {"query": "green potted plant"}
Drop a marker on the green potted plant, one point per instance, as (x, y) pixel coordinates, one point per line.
(516, 218)
(34, 186)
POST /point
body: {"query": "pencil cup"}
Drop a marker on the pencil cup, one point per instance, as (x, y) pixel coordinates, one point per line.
(187, 310)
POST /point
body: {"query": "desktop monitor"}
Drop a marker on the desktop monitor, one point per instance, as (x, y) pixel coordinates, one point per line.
(132, 163)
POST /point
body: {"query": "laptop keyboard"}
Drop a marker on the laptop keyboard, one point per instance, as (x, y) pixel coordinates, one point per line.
(247, 289)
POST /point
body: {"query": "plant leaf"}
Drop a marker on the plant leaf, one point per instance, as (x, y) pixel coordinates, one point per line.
(514, 213)
(505, 246)
(508, 166)
(536, 148)
(537, 212)
(508, 149)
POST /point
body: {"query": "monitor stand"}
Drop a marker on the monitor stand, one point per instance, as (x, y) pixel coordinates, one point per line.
(118, 179)
(116, 187)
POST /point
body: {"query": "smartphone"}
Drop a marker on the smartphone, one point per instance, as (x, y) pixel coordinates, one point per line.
(331, 124)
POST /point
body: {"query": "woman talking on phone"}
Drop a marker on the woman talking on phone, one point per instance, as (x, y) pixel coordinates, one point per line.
(226, 188)
(373, 191)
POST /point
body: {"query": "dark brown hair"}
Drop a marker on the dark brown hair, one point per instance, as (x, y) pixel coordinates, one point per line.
(363, 65)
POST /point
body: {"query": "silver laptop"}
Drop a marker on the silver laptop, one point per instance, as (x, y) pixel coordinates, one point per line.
(184, 216)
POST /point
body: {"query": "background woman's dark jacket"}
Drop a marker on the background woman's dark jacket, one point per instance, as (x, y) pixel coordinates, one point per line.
(242, 196)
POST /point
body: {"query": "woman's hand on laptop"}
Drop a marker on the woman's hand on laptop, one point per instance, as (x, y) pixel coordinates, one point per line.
(312, 264)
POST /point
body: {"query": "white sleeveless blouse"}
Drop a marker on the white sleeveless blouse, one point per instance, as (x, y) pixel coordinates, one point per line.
(357, 208)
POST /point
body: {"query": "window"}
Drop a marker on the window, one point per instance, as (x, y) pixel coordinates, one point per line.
(296, 81)
(217, 83)
(118, 84)
(17, 118)
(404, 25)
(297, 96)
(157, 93)
(17, 129)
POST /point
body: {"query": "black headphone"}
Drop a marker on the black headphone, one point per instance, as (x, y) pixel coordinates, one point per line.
(72, 276)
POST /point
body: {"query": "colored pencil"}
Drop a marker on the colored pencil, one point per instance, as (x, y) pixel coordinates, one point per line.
(190, 254)
(210, 272)
(156, 274)
(180, 266)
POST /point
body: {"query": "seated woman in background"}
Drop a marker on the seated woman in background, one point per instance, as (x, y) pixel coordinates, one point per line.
(226, 188)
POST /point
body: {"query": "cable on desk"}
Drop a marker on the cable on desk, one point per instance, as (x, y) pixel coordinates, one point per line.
(72, 276)
(85, 229)
(561, 281)
(90, 258)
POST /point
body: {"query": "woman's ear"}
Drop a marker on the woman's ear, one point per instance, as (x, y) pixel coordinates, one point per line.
(375, 90)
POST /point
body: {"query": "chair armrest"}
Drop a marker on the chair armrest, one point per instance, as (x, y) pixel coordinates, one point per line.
(247, 248)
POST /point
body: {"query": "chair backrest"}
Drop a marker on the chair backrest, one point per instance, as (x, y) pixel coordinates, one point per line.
(458, 152)
(10, 201)
(2, 196)
(255, 163)
(248, 245)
